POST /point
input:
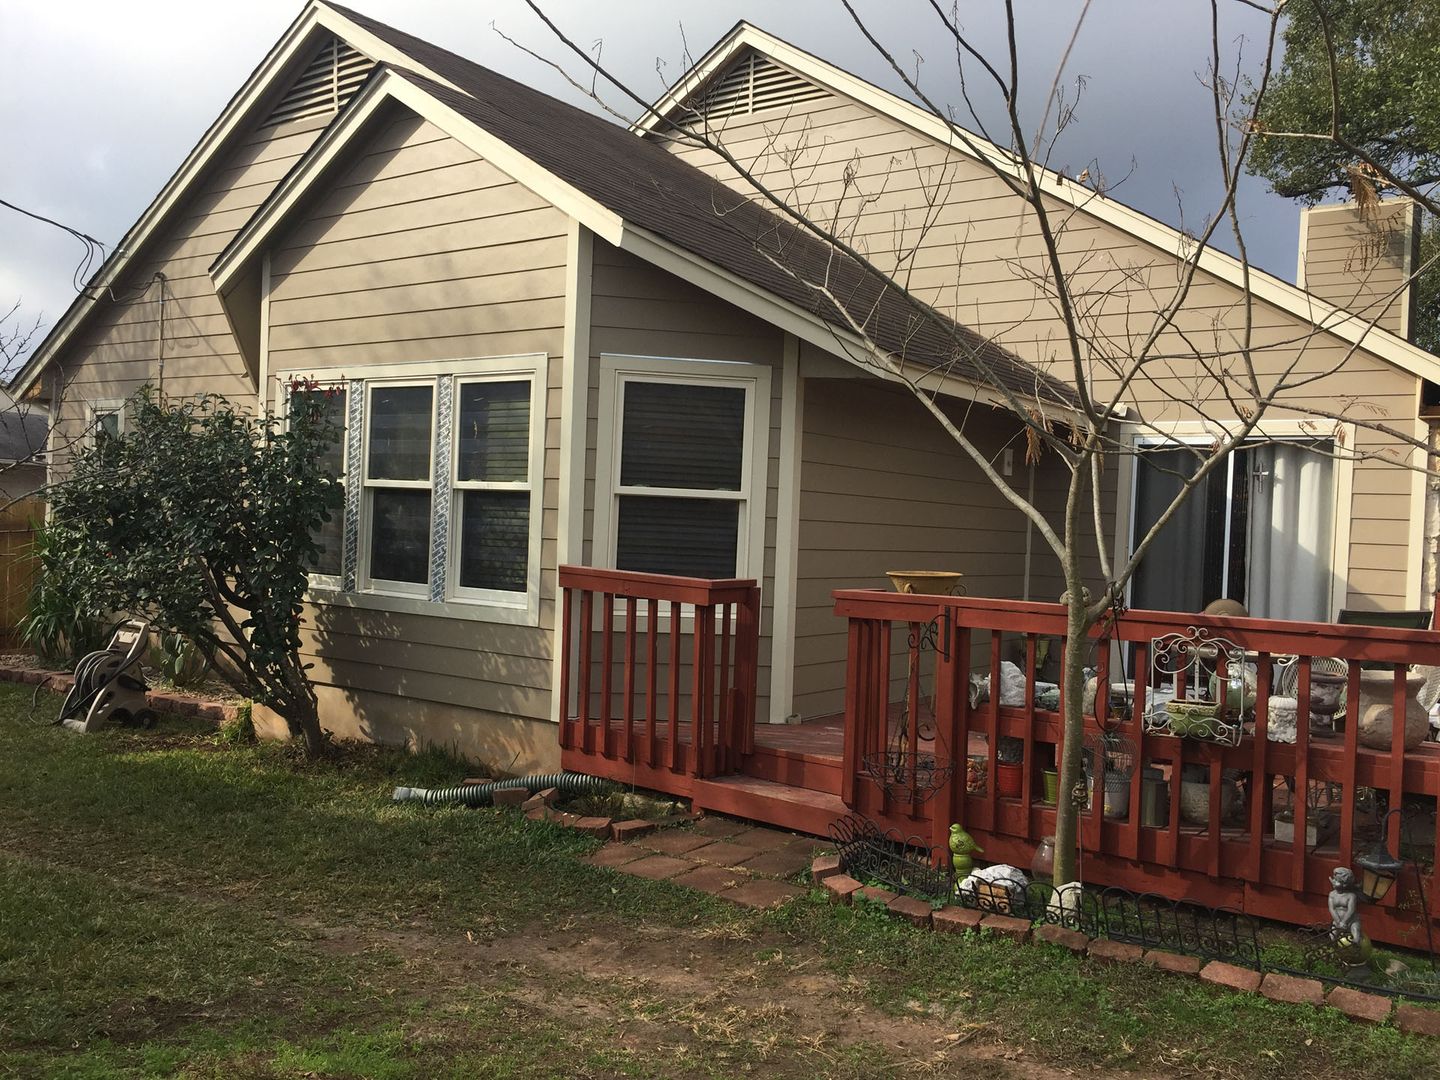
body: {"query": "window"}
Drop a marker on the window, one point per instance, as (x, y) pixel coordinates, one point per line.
(330, 537)
(1259, 529)
(682, 490)
(439, 465)
(107, 420)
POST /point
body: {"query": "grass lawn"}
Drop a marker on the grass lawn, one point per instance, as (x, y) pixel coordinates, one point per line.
(174, 905)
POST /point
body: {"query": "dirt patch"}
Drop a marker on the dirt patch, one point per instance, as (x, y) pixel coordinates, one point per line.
(647, 988)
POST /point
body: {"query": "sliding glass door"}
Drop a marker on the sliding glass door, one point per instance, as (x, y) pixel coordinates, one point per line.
(1258, 529)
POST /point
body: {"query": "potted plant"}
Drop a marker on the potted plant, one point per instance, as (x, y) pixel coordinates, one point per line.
(1009, 766)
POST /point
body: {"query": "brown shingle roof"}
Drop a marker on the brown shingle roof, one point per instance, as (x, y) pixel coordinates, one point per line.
(652, 188)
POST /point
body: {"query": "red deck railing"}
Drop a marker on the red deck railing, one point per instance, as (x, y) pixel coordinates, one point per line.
(658, 674)
(1235, 863)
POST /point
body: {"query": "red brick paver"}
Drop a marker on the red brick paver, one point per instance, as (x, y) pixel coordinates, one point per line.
(1231, 977)
(1370, 1008)
(615, 855)
(758, 840)
(631, 830)
(1115, 952)
(711, 879)
(719, 828)
(1292, 990)
(658, 867)
(1417, 1020)
(787, 862)
(1063, 937)
(763, 893)
(674, 841)
(841, 888)
(1007, 926)
(824, 866)
(721, 853)
(1179, 963)
(877, 894)
(915, 912)
(954, 920)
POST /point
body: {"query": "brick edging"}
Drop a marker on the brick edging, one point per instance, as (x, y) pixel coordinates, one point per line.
(164, 701)
(1356, 1005)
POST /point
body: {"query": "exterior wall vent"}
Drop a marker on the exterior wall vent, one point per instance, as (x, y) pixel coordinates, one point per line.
(326, 84)
(753, 84)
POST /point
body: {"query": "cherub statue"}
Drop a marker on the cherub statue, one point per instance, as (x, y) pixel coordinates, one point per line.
(1344, 903)
(962, 845)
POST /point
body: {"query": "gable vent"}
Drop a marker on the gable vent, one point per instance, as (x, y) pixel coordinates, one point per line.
(754, 84)
(326, 84)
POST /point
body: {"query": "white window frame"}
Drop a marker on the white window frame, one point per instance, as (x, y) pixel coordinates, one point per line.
(365, 580)
(105, 407)
(534, 376)
(518, 608)
(617, 370)
(1180, 434)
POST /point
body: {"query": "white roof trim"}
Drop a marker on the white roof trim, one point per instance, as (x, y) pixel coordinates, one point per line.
(297, 38)
(1264, 286)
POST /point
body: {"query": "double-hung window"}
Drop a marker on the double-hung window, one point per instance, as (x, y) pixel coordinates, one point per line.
(107, 420)
(681, 481)
(441, 467)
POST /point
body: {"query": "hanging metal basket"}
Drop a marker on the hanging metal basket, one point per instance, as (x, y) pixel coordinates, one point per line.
(909, 776)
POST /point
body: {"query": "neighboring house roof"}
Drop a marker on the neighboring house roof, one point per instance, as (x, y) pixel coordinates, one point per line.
(1349, 327)
(23, 432)
(645, 186)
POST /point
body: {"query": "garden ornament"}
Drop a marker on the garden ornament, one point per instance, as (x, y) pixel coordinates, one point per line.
(962, 845)
(1344, 903)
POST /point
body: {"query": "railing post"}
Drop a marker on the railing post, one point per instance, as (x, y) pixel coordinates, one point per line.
(856, 694)
(748, 677)
(567, 736)
(948, 687)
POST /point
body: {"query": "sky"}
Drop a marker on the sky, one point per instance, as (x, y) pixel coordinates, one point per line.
(101, 101)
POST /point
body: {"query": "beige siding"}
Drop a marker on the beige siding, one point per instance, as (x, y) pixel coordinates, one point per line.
(977, 255)
(884, 488)
(421, 251)
(119, 350)
(1361, 263)
(639, 310)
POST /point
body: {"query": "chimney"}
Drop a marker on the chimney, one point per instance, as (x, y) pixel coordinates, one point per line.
(1361, 260)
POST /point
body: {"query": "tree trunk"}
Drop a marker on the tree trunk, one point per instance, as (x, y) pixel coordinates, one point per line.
(1072, 682)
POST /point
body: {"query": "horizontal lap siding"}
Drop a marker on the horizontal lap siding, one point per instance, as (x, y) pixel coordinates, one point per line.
(973, 259)
(640, 310)
(884, 488)
(118, 351)
(420, 250)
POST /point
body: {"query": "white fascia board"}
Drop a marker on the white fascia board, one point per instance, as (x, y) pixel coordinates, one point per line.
(1263, 286)
(297, 38)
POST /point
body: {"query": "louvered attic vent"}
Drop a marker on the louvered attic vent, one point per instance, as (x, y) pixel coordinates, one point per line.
(326, 84)
(753, 84)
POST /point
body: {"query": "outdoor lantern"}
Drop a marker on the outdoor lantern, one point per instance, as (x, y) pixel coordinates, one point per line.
(1379, 867)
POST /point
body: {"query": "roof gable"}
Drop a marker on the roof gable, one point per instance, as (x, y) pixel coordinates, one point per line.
(746, 38)
(751, 83)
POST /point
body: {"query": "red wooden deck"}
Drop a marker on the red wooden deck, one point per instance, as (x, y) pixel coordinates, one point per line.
(632, 682)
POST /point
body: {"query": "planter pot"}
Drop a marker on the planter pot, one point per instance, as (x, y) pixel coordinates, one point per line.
(1318, 826)
(929, 582)
(1193, 719)
(1377, 710)
(1051, 779)
(1195, 801)
(1009, 780)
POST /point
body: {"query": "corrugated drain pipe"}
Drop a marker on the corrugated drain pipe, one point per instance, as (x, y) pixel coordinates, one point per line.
(568, 783)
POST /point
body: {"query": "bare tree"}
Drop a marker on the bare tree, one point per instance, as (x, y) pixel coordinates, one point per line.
(1122, 331)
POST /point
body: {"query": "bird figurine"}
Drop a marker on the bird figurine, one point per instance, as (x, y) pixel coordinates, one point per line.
(962, 845)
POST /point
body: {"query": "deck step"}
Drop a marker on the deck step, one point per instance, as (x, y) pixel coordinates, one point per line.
(789, 807)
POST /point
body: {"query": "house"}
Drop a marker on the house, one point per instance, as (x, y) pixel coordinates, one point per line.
(558, 342)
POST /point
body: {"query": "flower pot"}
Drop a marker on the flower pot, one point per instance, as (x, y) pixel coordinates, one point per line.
(928, 582)
(1051, 778)
(1377, 710)
(1193, 719)
(1009, 779)
(1195, 801)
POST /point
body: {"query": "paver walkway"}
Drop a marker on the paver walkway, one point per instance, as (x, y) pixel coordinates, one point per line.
(745, 864)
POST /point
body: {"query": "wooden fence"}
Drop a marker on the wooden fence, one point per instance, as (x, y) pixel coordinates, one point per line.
(18, 565)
